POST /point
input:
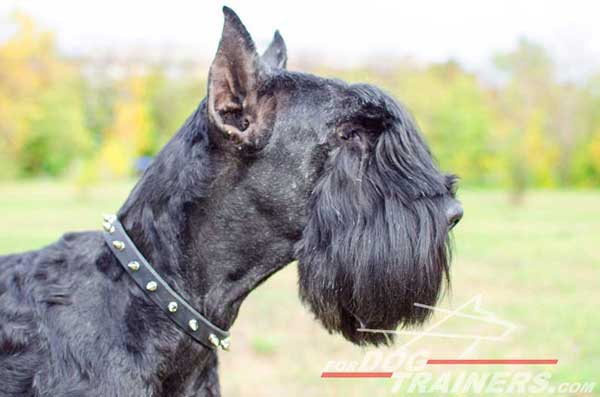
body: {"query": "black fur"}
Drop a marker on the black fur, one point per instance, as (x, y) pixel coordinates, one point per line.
(273, 166)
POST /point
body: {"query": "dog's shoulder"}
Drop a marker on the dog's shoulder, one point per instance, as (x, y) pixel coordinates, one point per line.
(20, 348)
(53, 304)
(31, 282)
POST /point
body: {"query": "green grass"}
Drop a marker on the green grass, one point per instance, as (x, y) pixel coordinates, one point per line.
(537, 266)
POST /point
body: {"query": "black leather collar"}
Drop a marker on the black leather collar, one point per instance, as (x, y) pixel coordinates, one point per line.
(178, 310)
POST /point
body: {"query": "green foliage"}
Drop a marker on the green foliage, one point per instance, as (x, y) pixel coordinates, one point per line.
(57, 134)
(171, 101)
(42, 124)
(527, 130)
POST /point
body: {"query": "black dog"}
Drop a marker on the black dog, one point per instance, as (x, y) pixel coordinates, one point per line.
(273, 166)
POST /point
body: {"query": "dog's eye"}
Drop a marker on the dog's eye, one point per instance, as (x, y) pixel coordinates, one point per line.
(245, 123)
(350, 133)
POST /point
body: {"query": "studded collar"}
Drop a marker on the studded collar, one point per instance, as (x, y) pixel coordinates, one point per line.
(145, 276)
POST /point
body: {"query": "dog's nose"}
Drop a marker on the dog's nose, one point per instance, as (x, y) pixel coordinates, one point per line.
(454, 212)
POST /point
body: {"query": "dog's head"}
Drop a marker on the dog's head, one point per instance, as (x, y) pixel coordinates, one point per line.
(343, 170)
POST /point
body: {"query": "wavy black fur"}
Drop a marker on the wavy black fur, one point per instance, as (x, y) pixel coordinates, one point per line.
(376, 241)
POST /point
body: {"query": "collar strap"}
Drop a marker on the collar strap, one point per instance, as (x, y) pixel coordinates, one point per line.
(177, 309)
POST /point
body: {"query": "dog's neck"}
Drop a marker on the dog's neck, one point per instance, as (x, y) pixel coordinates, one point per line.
(188, 216)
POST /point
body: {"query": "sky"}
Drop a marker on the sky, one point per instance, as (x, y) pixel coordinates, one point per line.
(342, 33)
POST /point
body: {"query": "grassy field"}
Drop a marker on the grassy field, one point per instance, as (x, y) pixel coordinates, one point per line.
(537, 266)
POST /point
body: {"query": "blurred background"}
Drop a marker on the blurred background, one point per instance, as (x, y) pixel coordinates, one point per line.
(507, 94)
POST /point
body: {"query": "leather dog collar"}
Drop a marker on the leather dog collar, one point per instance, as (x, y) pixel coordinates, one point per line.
(145, 276)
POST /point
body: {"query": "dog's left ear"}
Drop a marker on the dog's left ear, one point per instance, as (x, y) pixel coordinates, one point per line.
(276, 54)
(234, 106)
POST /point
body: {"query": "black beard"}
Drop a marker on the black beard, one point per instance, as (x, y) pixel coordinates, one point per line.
(375, 244)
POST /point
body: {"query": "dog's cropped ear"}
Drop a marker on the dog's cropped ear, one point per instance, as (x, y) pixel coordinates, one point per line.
(233, 82)
(276, 54)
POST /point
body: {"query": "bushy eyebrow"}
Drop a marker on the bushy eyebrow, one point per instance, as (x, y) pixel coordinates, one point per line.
(451, 182)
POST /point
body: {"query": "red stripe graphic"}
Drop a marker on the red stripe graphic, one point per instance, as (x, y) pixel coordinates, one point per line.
(356, 374)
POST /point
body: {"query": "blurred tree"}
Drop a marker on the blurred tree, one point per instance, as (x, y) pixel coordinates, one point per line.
(56, 133)
(171, 100)
(569, 123)
(586, 151)
(524, 106)
(42, 125)
(129, 135)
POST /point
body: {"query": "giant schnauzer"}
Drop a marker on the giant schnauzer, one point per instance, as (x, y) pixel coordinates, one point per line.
(273, 166)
